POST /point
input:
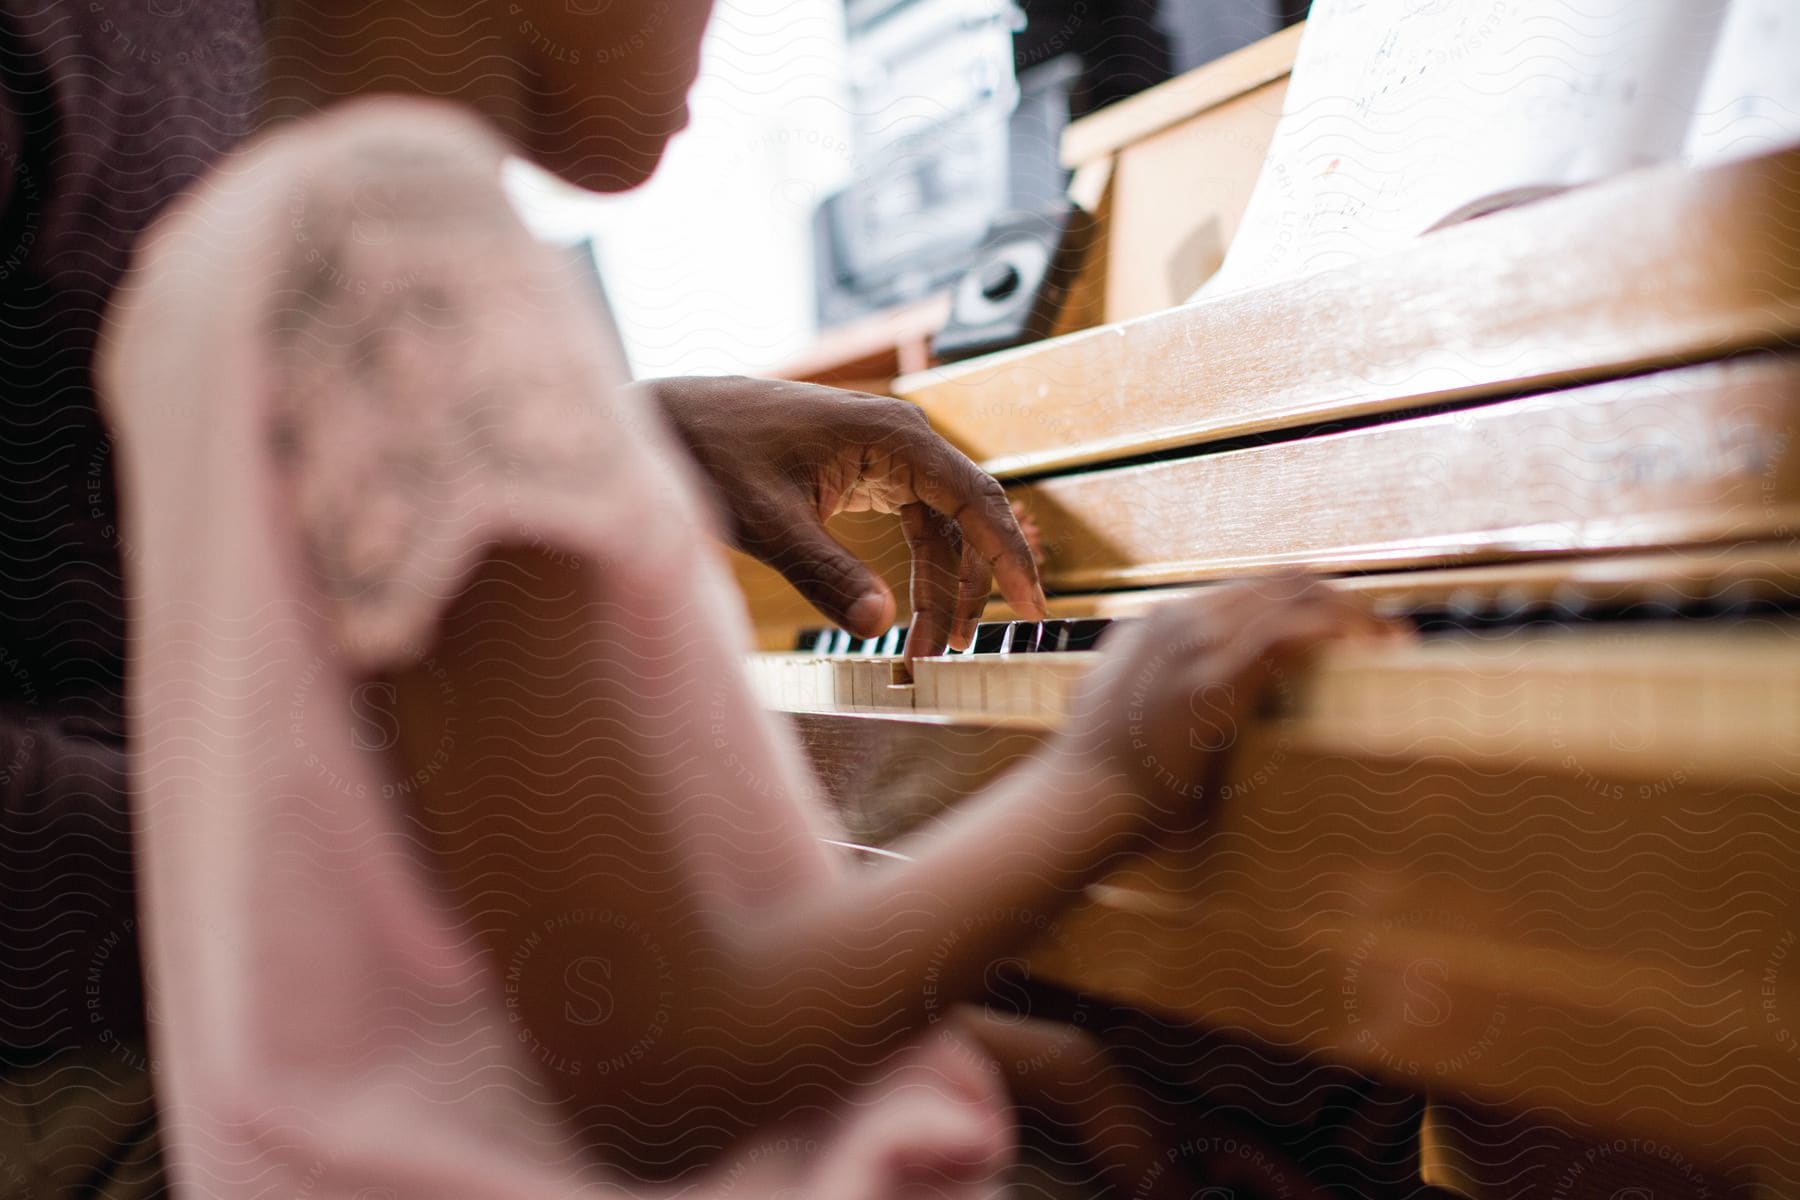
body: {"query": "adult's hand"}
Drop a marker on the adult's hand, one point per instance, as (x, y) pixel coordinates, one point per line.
(784, 457)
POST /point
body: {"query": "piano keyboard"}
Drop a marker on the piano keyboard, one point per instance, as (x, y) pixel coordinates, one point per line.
(990, 637)
(831, 672)
(1628, 690)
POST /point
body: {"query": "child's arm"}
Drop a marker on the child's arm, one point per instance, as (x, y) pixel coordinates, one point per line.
(753, 1012)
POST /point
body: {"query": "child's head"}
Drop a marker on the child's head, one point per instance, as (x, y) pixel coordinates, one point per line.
(593, 89)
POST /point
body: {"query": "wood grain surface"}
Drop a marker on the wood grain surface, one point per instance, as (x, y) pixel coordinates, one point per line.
(1654, 268)
(1706, 454)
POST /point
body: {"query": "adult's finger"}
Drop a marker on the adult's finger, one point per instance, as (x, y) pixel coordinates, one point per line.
(936, 555)
(975, 582)
(833, 580)
(947, 481)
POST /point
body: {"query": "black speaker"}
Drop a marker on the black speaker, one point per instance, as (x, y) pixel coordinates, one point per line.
(1017, 284)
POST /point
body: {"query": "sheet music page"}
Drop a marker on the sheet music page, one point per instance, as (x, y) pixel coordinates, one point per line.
(1750, 102)
(1403, 115)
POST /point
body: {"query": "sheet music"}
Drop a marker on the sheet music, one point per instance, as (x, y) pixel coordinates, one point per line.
(1750, 101)
(1403, 115)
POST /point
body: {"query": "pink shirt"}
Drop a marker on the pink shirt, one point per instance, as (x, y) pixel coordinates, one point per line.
(321, 1026)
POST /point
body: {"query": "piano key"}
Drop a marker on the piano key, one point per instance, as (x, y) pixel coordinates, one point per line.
(1735, 600)
(947, 684)
(864, 682)
(988, 636)
(1569, 603)
(970, 694)
(1022, 637)
(1082, 633)
(1434, 620)
(894, 695)
(1464, 608)
(1003, 692)
(1036, 685)
(1514, 605)
(1694, 698)
(841, 690)
(875, 689)
(927, 694)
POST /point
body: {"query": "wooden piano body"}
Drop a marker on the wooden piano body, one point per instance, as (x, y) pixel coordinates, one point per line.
(1543, 867)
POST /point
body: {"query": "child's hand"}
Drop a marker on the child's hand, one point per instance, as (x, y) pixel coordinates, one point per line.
(1169, 701)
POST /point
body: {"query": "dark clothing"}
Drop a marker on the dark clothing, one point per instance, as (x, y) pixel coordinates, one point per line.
(109, 108)
(81, 1126)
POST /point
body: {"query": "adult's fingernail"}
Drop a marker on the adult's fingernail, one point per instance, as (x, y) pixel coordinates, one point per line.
(868, 616)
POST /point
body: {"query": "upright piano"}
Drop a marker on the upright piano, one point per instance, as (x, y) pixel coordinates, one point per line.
(1541, 868)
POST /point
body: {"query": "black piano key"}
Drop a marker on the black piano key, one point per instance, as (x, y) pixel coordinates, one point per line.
(1540, 611)
(812, 641)
(1569, 604)
(1022, 637)
(988, 637)
(1434, 620)
(1465, 608)
(894, 641)
(1514, 605)
(1660, 604)
(1082, 633)
(840, 643)
(1737, 599)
